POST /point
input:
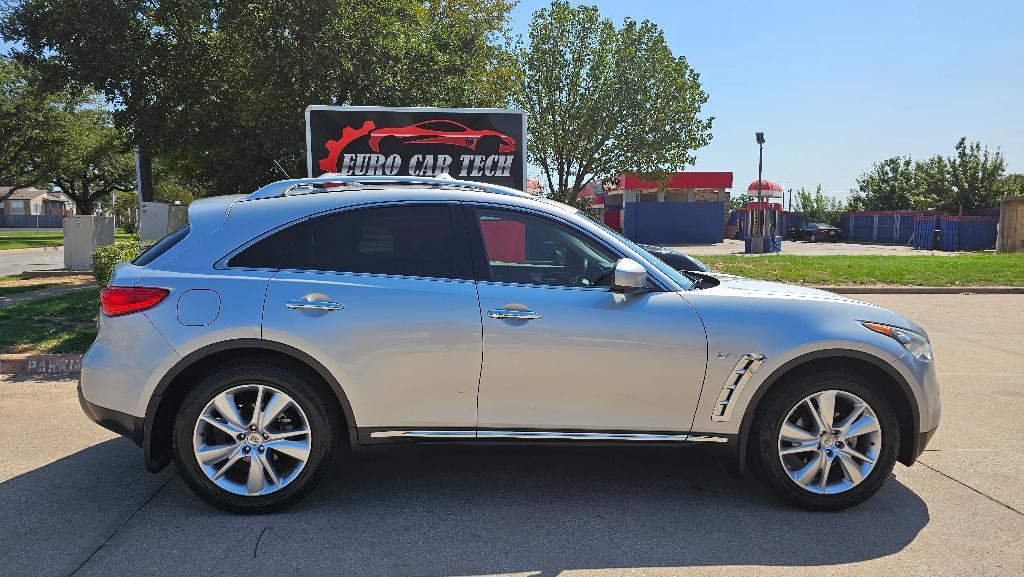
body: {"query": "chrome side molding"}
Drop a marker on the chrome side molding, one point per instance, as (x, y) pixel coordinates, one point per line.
(551, 436)
(424, 434)
(738, 378)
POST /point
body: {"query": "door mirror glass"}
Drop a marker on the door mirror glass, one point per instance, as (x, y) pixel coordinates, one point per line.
(629, 275)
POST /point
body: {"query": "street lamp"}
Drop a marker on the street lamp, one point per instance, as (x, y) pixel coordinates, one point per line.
(759, 136)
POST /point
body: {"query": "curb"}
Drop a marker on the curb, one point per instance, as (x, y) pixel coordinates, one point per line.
(53, 273)
(45, 364)
(923, 290)
(30, 249)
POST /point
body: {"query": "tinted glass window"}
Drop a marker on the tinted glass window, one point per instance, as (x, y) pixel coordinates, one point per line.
(418, 240)
(163, 245)
(286, 248)
(526, 249)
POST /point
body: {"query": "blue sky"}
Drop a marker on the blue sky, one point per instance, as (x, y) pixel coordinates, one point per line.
(836, 86)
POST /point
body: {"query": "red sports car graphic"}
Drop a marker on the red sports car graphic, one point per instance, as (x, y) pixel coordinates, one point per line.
(441, 132)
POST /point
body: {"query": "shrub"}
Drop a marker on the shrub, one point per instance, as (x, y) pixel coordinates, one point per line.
(105, 257)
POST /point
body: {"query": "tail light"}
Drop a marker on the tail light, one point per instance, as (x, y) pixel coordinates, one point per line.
(123, 300)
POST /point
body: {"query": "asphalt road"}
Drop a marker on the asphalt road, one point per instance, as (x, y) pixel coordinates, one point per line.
(76, 501)
(18, 260)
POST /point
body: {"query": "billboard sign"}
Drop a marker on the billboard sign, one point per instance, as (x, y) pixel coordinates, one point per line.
(481, 144)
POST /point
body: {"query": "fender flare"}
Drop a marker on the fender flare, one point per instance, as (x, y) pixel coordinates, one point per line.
(743, 435)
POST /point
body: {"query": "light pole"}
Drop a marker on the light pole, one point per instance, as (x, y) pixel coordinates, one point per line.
(760, 161)
(759, 136)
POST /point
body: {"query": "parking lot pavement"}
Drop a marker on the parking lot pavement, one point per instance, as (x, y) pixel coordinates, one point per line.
(74, 500)
(731, 246)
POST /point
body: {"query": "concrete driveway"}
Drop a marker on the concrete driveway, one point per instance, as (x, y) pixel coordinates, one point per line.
(74, 500)
(16, 261)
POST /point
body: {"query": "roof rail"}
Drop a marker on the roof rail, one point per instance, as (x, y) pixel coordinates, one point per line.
(327, 182)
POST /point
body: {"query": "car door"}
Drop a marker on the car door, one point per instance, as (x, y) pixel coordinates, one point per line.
(387, 303)
(562, 351)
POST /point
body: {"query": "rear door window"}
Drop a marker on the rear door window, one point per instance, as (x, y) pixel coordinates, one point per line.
(407, 240)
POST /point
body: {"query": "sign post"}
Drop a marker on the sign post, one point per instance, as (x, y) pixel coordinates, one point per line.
(479, 144)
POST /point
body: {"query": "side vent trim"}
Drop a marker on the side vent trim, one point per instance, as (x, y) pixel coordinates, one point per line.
(738, 378)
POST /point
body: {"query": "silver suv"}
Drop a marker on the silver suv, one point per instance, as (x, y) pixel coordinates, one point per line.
(317, 317)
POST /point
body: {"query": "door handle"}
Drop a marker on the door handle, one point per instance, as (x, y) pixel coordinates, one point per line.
(314, 305)
(511, 314)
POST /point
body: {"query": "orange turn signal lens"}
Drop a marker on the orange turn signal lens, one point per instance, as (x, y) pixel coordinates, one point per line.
(881, 329)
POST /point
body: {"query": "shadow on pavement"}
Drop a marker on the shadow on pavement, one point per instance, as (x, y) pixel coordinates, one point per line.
(440, 511)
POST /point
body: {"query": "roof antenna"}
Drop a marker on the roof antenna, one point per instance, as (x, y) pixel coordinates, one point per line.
(283, 171)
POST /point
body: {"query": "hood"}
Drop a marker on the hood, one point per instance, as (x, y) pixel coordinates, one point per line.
(739, 283)
(739, 287)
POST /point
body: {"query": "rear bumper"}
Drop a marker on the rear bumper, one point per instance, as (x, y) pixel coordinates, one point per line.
(116, 421)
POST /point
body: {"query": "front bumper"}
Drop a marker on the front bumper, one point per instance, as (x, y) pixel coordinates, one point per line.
(920, 442)
(121, 423)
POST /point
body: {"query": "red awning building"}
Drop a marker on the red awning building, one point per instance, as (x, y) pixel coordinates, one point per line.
(694, 209)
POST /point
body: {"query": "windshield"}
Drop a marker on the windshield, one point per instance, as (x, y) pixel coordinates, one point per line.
(668, 271)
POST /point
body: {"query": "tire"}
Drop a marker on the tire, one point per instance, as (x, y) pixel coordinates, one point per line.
(296, 450)
(790, 403)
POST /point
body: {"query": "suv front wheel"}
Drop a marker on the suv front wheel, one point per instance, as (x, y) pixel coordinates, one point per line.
(826, 440)
(252, 438)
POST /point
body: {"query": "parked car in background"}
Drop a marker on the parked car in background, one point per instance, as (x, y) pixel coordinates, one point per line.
(280, 330)
(675, 259)
(814, 232)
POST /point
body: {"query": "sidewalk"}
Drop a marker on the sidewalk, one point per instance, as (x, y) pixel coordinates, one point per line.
(54, 291)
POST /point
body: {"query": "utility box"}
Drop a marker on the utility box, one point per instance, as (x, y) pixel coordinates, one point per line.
(158, 219)
(82, 234)
(1010, 234)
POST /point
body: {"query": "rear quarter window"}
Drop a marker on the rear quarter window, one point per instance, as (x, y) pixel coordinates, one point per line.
(163, 245)
(288, 248)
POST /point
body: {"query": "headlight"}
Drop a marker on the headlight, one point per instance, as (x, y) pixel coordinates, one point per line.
(913, 342)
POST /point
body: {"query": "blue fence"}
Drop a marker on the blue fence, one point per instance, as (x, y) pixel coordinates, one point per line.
(31, 221)
(924, 232)
(948, 234)
(977, 233)
(889, 227)
(674, 222)
(956, 232)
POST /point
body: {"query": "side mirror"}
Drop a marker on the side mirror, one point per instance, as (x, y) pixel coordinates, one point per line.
(629, 275)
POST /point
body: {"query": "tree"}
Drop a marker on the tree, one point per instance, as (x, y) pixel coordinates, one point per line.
(603, 101)
(1012, 185)
(740, 201)
(219, 88)
(975, 174)
(889, 185)
(818, 207)
(30, 120)
(90, 162)
(932, 184)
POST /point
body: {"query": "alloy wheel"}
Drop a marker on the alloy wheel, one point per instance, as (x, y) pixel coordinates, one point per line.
(252, 440)
(829, 442)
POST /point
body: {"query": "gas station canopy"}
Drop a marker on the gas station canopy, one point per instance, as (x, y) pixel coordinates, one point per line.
(768, 189)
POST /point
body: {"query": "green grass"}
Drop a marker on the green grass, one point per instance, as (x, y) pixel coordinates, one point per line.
(31, 238)
(10, 290)
(65, 324)
(973, 269)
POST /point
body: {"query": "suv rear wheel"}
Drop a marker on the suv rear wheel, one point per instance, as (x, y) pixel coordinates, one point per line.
(252, 438)
(826, 441)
